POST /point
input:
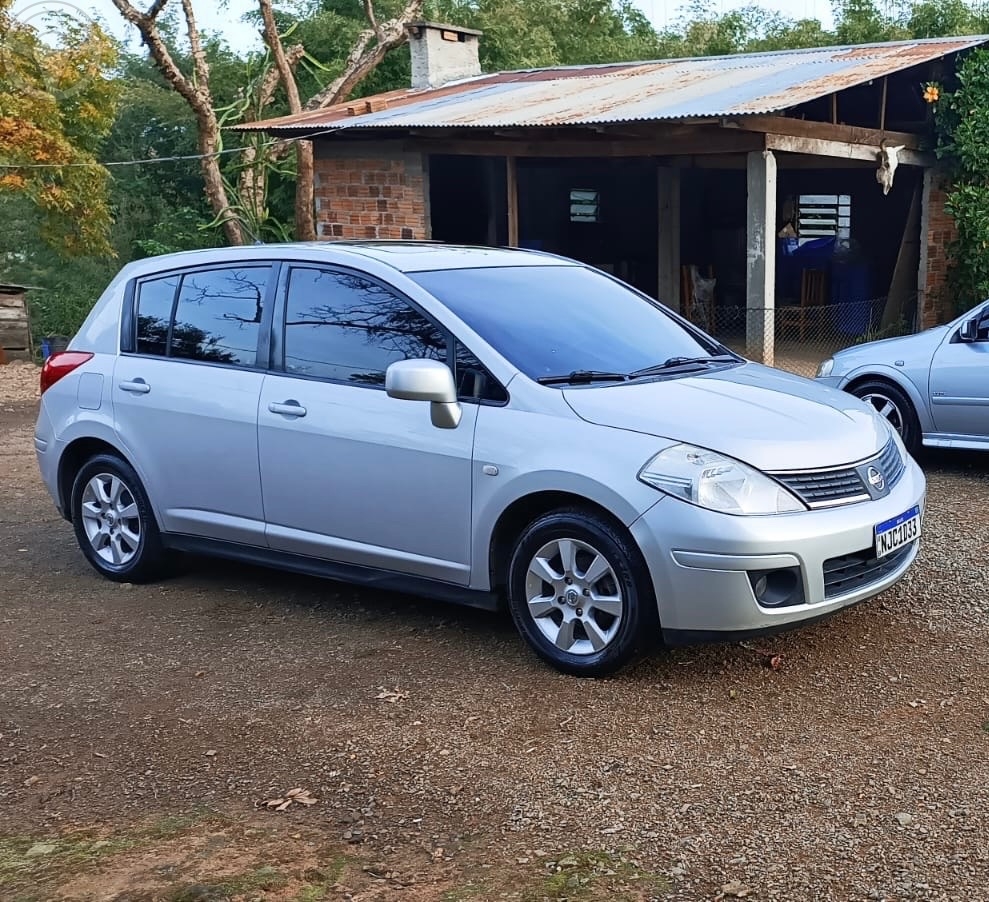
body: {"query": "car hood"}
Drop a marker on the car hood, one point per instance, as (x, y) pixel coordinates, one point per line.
(886, 350)
(759, 415)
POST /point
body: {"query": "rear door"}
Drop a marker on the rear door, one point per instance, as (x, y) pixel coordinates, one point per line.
(350, 474)
(186, 391)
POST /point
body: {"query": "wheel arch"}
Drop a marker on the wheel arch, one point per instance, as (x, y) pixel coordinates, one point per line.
(72, 460)
(528, 508)
(898, 380)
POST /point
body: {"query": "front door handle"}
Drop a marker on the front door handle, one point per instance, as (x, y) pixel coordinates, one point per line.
(288, 409)
(136, 387)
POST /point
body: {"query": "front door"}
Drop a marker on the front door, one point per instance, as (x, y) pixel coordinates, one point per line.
(348, 473)
(959, 385)
(185, 399)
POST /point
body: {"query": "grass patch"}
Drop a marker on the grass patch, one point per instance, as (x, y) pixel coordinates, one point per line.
(597, 875)
(27, 859)
(263, 879)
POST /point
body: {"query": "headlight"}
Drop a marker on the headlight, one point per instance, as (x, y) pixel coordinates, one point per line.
(719, 483)
(825, 368)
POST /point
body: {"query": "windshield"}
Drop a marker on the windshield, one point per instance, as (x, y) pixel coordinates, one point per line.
(556, 320)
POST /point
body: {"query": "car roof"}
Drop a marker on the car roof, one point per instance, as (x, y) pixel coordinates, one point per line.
(405, 256)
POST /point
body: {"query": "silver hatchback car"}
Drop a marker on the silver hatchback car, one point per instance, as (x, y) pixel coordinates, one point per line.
(475, 424)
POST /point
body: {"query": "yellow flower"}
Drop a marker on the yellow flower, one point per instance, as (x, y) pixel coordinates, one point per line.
(932, 93)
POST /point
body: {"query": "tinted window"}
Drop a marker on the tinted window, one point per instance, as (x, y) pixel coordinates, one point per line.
(474, 382)
(343, 327)
(218, 316)
(154, 313)
(552, 320)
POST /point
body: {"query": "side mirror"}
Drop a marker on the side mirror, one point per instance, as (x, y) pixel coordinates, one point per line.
(426, 380)
(969, 330)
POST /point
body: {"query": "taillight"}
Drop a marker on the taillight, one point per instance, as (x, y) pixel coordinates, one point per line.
(61, 364)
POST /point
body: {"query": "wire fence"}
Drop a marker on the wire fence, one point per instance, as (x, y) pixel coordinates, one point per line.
(801, 336)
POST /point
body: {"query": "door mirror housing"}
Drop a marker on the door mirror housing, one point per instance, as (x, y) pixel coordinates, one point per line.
(969, 329)
(426, 380)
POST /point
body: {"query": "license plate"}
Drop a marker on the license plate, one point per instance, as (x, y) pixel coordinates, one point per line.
(896, 533)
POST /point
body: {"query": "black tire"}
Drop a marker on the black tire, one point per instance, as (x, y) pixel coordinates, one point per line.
(638, 617)
(146, 557)
(903, 416)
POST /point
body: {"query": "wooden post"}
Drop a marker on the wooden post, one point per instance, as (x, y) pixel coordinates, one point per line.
(834, 108)
(512, 181)
(882, 108)
(668, 202)
(760, 254)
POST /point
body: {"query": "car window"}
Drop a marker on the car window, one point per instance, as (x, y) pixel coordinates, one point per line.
(218, 315)
(155, 298)
(344, 327)
(474, 382)
(553, 320)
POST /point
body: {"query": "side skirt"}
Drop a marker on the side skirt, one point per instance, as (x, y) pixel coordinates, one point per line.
(347, 573)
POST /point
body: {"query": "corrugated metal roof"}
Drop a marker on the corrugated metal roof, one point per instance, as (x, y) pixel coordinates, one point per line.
(713, 86)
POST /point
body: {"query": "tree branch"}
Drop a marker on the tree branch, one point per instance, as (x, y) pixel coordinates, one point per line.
(364, 58)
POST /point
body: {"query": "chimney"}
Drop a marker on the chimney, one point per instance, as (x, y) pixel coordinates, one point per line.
(442, 53)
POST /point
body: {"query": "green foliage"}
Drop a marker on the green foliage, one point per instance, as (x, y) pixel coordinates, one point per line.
(962, 118)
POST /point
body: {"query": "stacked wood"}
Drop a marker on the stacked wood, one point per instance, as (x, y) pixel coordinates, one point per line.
(15, 327)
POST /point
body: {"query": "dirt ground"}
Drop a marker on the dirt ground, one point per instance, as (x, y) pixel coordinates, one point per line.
(142, 730)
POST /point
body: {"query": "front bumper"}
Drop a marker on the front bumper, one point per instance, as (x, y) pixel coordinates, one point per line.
(700, 561)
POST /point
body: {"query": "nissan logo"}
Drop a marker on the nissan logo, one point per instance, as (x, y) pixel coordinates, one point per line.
(876, 479)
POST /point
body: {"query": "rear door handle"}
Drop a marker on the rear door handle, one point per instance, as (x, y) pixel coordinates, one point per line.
(288, 409)
(137, 387)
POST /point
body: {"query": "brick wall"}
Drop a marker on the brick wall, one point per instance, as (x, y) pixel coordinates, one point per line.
(937, 231)
(375, 196)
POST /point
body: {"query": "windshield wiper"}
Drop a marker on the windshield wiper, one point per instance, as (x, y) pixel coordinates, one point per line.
(677, 363)
(583, 377)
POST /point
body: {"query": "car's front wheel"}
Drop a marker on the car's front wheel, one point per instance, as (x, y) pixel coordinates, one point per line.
(113, 521)
(892, 404)
(579, 593)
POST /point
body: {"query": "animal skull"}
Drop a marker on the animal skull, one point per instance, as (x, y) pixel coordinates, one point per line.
(887, 165)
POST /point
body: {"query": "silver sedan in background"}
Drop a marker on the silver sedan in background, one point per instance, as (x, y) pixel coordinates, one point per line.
(932, 387)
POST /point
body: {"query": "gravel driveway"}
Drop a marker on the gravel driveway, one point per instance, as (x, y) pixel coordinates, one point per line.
(143, 729)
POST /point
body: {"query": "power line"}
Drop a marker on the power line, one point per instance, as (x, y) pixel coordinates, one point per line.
(171, 159)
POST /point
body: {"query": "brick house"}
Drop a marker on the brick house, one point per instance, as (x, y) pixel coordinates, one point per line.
(750, 171)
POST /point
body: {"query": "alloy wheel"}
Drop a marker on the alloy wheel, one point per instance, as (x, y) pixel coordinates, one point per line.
(886, 408)
(573, 596)
(111, 519)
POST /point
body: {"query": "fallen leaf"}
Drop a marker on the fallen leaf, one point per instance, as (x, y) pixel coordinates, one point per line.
(736, 888)
(30, 781)
(390, 695)
(211, 753)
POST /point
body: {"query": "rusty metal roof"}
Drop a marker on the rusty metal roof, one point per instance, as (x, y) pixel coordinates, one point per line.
(698, 87)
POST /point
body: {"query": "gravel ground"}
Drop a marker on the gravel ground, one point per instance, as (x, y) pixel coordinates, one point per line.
(18, 383)
(143, 728)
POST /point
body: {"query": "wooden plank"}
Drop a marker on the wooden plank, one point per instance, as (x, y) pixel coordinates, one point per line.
(12, 300)
(14, 335)
(806, 128)
(842, 150)
(903, 284)
(13, 314)
(512, 180)
(696, 141)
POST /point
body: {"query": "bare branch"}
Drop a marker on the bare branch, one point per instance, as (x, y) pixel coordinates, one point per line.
(274, 42)
(365, 57)
(199, 63)
(369, 14)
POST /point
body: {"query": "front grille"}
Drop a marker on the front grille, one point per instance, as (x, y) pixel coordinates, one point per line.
(891, 464)
(849, 572)
(829, 488)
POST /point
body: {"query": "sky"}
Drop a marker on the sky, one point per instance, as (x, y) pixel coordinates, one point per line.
(223, 16)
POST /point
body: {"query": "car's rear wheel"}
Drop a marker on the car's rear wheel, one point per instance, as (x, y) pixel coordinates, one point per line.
(892, 403)
(579, 593)
(113, 521)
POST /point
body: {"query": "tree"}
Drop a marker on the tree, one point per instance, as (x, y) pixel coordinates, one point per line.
(56, 104)
(194, 88)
